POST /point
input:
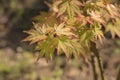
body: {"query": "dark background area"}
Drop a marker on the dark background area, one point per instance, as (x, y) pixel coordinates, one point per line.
(15, 17)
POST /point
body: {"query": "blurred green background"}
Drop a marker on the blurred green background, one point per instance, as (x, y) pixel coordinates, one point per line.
(17, 59)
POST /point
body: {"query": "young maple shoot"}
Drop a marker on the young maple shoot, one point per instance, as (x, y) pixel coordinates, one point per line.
(71, 25)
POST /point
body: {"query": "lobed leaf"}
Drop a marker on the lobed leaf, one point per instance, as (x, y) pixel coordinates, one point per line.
(114, 28)
(62, 30)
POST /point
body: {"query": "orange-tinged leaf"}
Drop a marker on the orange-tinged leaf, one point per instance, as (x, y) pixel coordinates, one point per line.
(96, 16)
(113, 11)
(62, 30)
(37, 34)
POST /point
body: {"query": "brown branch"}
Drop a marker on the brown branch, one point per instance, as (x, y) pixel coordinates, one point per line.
(95, 75)
(118, 75)
(96, 53)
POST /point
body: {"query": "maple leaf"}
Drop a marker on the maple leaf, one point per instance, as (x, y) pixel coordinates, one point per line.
(69, 47)
(85, 36)
(62, 30)
(37, 34)
(84, 20)
(98, 34)
(71, 7)
(95, 15)
(113, 11)
(47, 48)
(114, 28)
(54, 6)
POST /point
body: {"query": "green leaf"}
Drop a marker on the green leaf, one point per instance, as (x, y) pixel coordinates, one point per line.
(71, 7)
(85, 35)
(114, 28)
(98, 33)
(69, 47)
(47, 47)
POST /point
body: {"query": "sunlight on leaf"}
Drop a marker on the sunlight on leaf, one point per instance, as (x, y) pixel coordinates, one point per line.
(96, 16)
(37, 34)
(62, 30)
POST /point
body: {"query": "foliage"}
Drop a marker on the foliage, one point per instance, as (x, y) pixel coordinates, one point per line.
(72, 25)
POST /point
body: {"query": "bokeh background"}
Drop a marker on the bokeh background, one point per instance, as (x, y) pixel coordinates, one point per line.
(17, 59)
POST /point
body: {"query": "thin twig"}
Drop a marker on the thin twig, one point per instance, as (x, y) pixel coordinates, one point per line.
(94, 68)
(118, 75)
(96, 53)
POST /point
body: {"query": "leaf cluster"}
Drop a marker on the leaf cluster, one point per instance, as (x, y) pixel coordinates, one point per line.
(71, 25)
